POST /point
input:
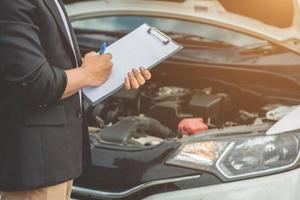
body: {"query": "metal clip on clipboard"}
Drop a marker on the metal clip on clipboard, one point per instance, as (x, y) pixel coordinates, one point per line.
(159, 35)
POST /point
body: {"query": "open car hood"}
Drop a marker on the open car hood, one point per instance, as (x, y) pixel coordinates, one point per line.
(277, 21)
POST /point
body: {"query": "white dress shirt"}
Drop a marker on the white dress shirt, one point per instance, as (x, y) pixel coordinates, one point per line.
(64, 18)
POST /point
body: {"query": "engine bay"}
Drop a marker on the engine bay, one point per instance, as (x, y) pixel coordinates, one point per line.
(166, 108)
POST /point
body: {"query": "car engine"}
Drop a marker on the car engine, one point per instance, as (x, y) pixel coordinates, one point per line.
(156, 112)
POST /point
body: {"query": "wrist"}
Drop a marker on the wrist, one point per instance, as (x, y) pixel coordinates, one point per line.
(86, 78)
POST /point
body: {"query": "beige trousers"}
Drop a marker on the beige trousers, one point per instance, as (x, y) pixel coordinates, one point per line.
(57, 192)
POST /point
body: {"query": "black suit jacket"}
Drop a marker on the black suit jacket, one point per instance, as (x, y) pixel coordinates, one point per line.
(40, 135)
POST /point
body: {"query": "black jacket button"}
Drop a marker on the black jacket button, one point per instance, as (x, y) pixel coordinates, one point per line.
(42, 106)
(79, 114)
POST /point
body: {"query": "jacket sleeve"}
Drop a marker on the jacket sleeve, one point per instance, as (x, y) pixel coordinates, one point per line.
(22, 60)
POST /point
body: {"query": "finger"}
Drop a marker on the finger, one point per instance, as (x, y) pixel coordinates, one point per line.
(133, 82)
(146, 73)
(92, 53)
(109, 68)
(111, 64)
(106, 56)
(127, 84)
(139, 77)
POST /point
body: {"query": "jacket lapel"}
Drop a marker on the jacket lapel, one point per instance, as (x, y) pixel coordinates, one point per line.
(55, 12)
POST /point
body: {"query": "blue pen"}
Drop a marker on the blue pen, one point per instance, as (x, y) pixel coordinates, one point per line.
(102, 48)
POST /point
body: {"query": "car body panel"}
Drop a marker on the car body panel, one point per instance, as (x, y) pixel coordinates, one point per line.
(276, 187)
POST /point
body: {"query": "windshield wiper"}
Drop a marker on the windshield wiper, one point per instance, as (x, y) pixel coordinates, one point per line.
(187, 40)
(196, 41)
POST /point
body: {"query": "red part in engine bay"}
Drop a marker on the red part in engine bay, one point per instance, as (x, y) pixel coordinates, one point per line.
(192, 126)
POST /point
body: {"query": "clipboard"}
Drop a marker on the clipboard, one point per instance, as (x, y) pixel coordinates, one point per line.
(145, 46)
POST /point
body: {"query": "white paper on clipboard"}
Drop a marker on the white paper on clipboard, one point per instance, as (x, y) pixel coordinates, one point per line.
(145, 46)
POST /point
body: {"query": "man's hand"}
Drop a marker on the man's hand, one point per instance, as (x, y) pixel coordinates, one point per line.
(137, 78)
(97, 68)
(94, 71)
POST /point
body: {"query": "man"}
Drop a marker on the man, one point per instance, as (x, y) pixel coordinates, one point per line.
(41, 123)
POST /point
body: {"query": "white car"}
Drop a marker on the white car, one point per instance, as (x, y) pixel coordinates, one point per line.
(219, 120)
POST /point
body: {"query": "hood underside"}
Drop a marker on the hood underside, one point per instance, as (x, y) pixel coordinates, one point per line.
(277, 21)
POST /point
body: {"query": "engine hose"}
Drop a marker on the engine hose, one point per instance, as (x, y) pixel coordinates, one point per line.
(153, 127)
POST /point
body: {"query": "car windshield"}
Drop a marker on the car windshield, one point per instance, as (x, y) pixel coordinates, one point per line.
(202, 42)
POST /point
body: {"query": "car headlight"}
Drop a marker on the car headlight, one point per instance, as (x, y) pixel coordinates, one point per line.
(243, 157)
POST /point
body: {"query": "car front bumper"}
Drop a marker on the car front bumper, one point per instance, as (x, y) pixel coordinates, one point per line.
(274, 187)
